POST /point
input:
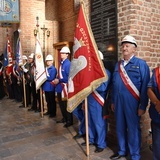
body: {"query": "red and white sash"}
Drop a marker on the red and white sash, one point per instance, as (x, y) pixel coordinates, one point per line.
(1, 70)
(98, 98)
(15, 72)
(128, 83)
(64, 85)
(157, 75)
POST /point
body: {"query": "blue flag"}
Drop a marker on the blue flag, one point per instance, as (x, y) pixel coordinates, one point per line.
(19, 60)
(5, 63)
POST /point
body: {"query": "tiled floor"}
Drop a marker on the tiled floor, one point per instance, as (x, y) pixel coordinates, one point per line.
(26, 136)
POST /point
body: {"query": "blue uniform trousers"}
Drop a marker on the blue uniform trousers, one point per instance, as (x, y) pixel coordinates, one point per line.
(127, 125)
(156, 140)
(79, 114)
(97, 125)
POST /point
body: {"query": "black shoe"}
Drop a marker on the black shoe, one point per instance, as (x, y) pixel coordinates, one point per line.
(29, 104)
(67, 125)
(37, 110)
(31, 109)
(84, 144)
(77, 136)
(150, 147)
(61, 121)
(46, 113)
(117, 156)
(52, 116)
(97, 150)
(22, 106)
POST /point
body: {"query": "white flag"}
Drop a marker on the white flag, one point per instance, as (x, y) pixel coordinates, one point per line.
(40, 69)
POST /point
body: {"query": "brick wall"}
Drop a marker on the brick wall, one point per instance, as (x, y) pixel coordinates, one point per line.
(140, 18)
(67, 19)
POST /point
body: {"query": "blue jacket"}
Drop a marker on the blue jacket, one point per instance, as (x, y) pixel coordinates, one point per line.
(102, 90)
(65, 68)
(152, 111)
(47, 86)
(139, 73)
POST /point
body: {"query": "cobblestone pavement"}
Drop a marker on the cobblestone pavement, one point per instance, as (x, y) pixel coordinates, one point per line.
(26, 136)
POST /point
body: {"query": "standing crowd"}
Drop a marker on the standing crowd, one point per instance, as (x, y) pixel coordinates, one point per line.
(130, 87)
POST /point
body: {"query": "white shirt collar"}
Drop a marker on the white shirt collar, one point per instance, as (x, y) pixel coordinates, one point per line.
(125, 62)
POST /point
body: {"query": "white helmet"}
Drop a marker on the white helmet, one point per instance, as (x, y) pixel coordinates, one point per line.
(65, 49)
(100, 54)
(24, 57)
(31, 55)
(49, 58)
(129, 39)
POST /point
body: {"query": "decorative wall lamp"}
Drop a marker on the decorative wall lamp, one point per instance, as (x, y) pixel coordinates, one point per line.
(35, 32)
(37, 26)
(48, 33)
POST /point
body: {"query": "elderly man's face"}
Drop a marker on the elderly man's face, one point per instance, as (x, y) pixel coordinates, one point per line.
(128, 49)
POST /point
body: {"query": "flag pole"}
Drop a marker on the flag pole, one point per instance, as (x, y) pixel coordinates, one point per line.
(86, 122)
(36, 33)
(41, 97)
(23, 79)
(24, 91)
(86, 114)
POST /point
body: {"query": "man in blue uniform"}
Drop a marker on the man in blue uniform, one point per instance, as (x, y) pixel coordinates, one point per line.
(129, 98)
(61, 86)
(154, 111)
(97, 123)
(49, 88)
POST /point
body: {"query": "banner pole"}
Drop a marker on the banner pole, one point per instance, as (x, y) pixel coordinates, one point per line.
(23, 78)
(86, 122)
(37, 34)
(41, 97)
(24, 91)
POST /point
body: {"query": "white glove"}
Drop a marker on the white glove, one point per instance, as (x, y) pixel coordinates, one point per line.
(24, 69)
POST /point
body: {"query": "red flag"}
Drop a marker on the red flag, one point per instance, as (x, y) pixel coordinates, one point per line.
(8, 58)
(87, 71)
